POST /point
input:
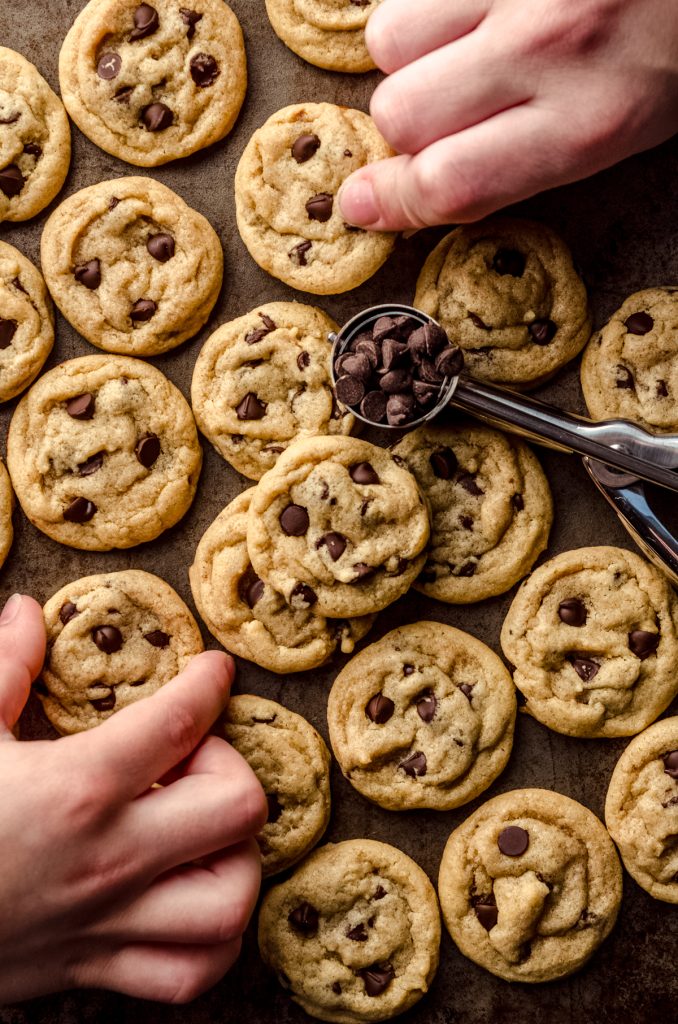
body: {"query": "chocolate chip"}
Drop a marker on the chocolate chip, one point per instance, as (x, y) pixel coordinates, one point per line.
(377, 978)
(142, 311)
(467, 690)
(426, 706)
(642, 643)
(518, 502)
(379, 893)
(146, 22)
(443, 463)
(363, 571)
(383, 327)
(320, 207)
(251, 588)
(477, 322)
(80, 510)
(467, 569)
(147, 450)
(336, 988)
(157, 638)
(161, 247)
(356, 364)
(400, 409)
(671, 763)
(379, 709)
(8, 329)
(425, 393)
(373, 406)
(396, 382)
(104, 703)
(91, 465)
(414, 765)
(33, 149)
(586, 668)
(368, 349)
(542, 330)
(109, 65)
(303, 595)
(450, 361)
(572, 611)
(305, 147)
(107, 638)
(349, 390)
(68, 612)
(363, 473)
(662, 389)
(122, 96)
(251, 408)
(509, 261)
(113, 202)
(88, 274)
(335, 544)
(190, 18)
(303, 360)
(624, 379)
(275, 808)
(487, 915)
(394, 353)
(10, 119)
(204, 70)
(294, 521)
(468, 482)
(429, 374)
(466, 522)
(11, 181)
(426, 342)
(358, 933)
(639, 323)
(299, 252)
(513, 841)
(304, 919)
(81, 407)
(157, 116)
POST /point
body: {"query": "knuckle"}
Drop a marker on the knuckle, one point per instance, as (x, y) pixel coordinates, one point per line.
(445, 192)
(382, 38)
(188, 983)
(233, 920)
(390, 111)
(86, 799)
(578, 28)
(248, 797)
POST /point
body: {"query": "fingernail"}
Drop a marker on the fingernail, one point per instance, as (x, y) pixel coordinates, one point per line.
(357, 202)
(11, 610)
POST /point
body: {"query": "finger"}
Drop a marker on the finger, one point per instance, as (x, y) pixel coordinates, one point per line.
(22, 652)
(395, 38)
(212, 756)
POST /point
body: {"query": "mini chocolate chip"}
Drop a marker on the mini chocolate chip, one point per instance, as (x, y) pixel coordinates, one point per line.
(642, 643)
(91, 465)
(509, 261)
(349, 390)
(320, 207)
(379, 709)
(33, 149)
(88, 274)
(624, 379)
(586, 668)
(80, 510)
(303, 360)
(467, 690)
(426, 706)
(336, 988)
(303, 595)
(363, 473)
(104, 703)
(81, 407)
(518, 502)
(335, 544)
(107, 638)
(414, 765)
(425, 393)
(8, 329)
(251, 588)
(468, 482)
(426, 342)
(572, 611)
(11, 181)
(671, 763)
(108, 66)
(542, 330)
(377, 978)
(204, 70)
(443, 463)
(113, 202)
(466, 522)
(157, 116)
(396, 382)
(477, 322)
(299, 252)
(250, 408)
(161, 247)
(400, 409)
(639, 323)
(394, 353)
(157, 638)
(142, 311)
(305, 147)
(373, 406)
(68, 612)
(147, 449)
(467, 569)
(379, 893)
(662, 389)
(363, 571)
(123, 95)
(146, 22)
(190, 18)
(10, 119)
(513, 841)
(358, 933)
(304, 919)
(294, 520)
(450, 361)
(487, 915)
(383, 327)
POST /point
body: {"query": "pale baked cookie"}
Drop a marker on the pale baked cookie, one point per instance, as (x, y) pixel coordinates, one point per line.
(112, 639)
(285, 193)
(26, 322)
(354, 934)
(530, 885)
(422, 718)
(103, 453)
(264, 380)
(251, 619)
(131, 266)
(327, 33)
(630, 368)
(35, 139)
(339, 526)
(491, 509)
(153, 82)
(6, 509)
(593, 634)
(641, 810)
(292, 763)
(507, 292)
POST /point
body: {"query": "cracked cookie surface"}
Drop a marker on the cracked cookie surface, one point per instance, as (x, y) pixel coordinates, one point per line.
(491, 509)
(26, 322)
(285, 190)
(422, 718)
(35, 140)
(327, 33)
(507, 292)
(112, 640)
(103, 453)
(6, 509)
(133, 268)
(530, 885)
(593, 635)
(152, 83)
(641, 810)
(354, 934)
(338, 525)
(263, 381)
(292, 763)
(249, 617)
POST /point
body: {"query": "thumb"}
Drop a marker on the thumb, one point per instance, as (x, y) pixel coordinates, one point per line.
(22, 652)
(390, 195)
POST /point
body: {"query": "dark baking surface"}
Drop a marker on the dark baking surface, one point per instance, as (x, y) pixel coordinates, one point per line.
(621, 226)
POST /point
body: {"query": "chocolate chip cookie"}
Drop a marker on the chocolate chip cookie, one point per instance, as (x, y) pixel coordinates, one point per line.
(131, 266)
(292, 763)
(112, 639)
(153, 82)
(422, 718)
(593, 634)
(264, 380)
(327, 33)
(530, 885)
(6, 509)
(251, 619)
(507, 292)
(285, 190)
(641, 810)
(630, 368)
(354, 934)
(491, 509)
(26, 322)
(35, 139)
(103, 453)
(338, 525)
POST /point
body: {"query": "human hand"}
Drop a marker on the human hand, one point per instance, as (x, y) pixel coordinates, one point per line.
(491, 101)
(97, 886)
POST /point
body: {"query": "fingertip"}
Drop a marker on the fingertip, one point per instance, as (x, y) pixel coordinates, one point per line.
(22, 632)
(357, 200)
(218, 665)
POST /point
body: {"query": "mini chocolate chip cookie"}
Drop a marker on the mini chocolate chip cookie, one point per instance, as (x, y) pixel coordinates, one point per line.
(285, 192)
(264, 380)
(593, 634)
(530, 885)
(630, 368)
(491, 509)
(292, 763)
(507, 292)
(131, 266)
(112, 639)
(251, 619)
(26, 322)
(35, 139)
(327, 33)
(422, 718)
(103, 453)
(354, 934)
(154, 82)
(641, 810)
(6, 509)
(338, 525)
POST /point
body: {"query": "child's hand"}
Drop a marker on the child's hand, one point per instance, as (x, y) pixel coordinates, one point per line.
(96, 886)
(492, 101)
